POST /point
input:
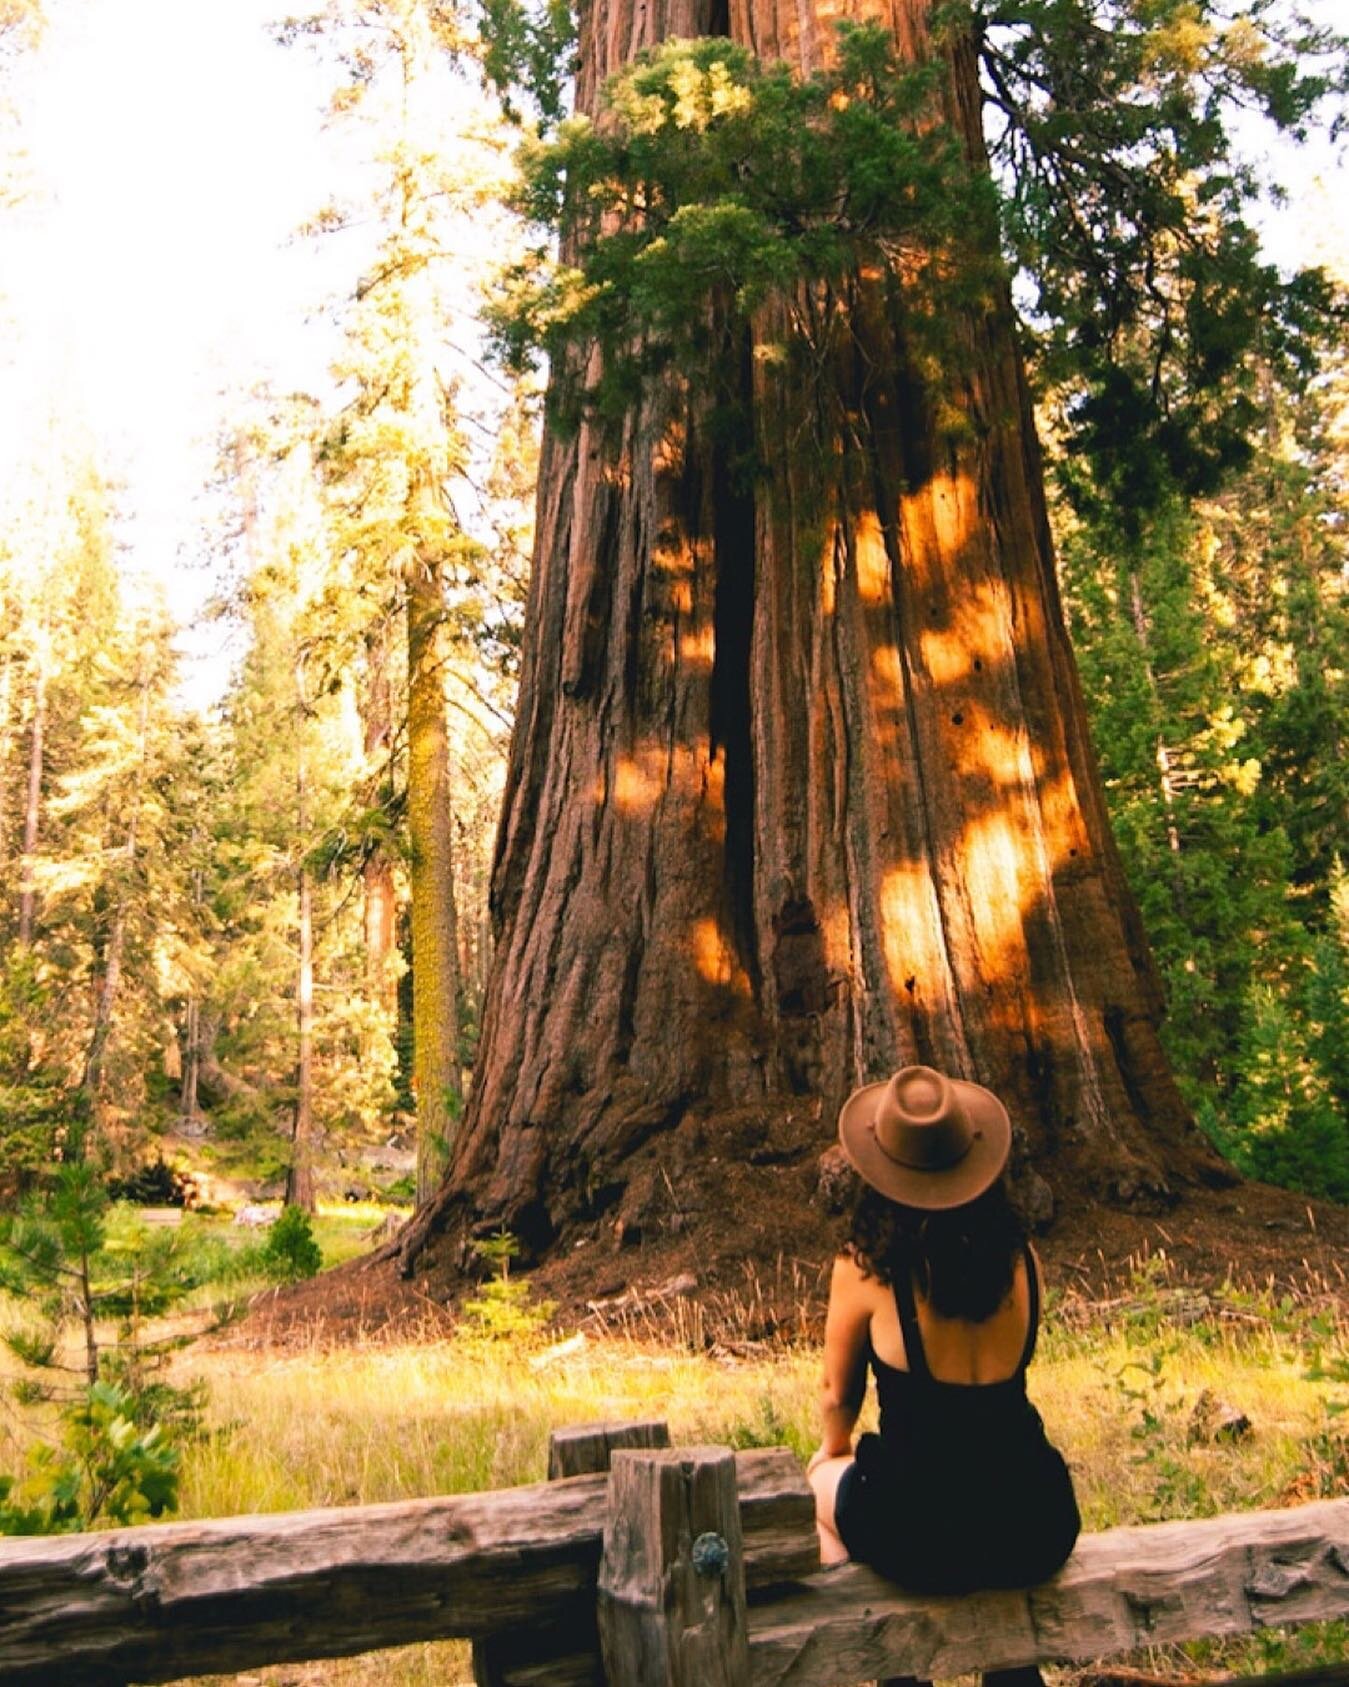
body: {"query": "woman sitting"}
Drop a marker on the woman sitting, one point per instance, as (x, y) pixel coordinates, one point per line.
(938, 1291)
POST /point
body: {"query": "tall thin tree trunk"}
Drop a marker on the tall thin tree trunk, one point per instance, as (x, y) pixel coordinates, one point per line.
(435, 976)
(33, 803)
(106, 1001)
(1162, 756)
(188, 1103)
(380, 911)
(6, 727)
(300, 1175)
(800, 788)
(187, 1089)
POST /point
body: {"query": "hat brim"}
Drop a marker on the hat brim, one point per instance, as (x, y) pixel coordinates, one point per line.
(911, 1186)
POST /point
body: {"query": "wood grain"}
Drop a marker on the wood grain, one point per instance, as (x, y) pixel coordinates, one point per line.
(1121, 1589)
(168, 1600)
(566, 1653)
(667, 1620)
(586, 1448)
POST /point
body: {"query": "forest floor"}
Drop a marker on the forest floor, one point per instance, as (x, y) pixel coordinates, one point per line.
(743, 1256)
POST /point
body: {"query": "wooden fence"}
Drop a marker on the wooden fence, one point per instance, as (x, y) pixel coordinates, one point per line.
(689, 1567)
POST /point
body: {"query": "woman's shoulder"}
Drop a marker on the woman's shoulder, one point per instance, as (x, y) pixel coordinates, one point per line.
(850, 1280)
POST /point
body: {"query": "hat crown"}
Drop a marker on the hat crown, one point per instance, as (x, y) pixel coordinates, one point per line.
(920, 1122)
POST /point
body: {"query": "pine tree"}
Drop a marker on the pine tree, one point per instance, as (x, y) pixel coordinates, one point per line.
(287, 996)
(391, 455)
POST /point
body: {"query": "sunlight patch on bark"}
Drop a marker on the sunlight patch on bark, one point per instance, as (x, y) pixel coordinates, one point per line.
(713, 817)
(1003, 755)
(837, 940)
(978, 629)
(715, 958)
(945, 513)
(672, 553)
(636, 783)
(889, 727)
(993, 851)
(872, 559)
(909, 919)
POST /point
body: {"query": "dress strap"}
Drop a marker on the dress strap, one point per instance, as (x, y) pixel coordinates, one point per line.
(1033, 1291)
(908, 1323)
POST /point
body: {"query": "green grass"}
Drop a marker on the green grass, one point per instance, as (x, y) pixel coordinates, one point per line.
(289, 1430)
(220, 1259)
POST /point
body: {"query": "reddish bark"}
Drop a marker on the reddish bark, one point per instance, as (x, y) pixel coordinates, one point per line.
(800, 788)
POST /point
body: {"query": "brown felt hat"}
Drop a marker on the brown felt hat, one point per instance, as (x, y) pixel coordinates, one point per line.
(926, 1140)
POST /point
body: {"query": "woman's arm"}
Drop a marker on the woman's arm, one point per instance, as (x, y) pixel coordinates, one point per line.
(844, 1383)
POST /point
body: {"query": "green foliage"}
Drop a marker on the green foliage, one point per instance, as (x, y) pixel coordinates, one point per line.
(34, 1095)
(506, 1309)
(1208, 649)
(773, 1424)
(530, 52)
(290, 1251)
(74, 1262)
(105, 1470)
(1159, 1433)
(153, 1183)
(712, 182)
(49, 1248)
(716, 180)
(1151, 306)
(71, 1260)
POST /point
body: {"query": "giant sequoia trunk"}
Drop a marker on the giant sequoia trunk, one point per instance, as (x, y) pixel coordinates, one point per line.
(800, 789)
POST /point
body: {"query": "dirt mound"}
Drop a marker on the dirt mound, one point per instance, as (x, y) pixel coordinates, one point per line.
(737, 1246)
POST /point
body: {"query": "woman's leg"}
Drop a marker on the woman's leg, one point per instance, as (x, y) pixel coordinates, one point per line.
(825, 1478)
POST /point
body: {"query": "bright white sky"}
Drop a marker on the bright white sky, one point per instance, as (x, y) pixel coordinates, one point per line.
(173, 147)
(150, 282)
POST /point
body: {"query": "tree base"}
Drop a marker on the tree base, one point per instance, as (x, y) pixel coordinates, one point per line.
(756, 1270)
(727, 1198)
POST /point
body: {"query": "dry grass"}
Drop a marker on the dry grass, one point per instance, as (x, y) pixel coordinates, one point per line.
(1121, 1394)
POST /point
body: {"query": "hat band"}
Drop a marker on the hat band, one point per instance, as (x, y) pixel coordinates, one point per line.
(930, 1148)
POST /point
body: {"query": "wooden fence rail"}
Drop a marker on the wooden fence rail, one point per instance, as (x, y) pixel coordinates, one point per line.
(1122, 1589)
(683, 1568)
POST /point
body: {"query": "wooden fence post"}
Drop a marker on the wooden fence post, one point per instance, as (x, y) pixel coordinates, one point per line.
(585, 1449)
(563, 1655)
(672, 1578)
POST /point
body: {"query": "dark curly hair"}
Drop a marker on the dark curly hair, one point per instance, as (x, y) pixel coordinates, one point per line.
(962, 1258)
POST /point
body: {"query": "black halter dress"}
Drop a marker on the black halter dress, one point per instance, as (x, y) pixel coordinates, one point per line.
(961, 1489)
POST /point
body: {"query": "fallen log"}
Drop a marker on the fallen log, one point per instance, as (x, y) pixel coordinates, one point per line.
(164, 1601)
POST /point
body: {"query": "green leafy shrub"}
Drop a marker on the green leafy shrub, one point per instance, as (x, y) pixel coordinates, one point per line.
(506, 1308)
(71, 1260)
(105, 1469)
(290, 1251)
